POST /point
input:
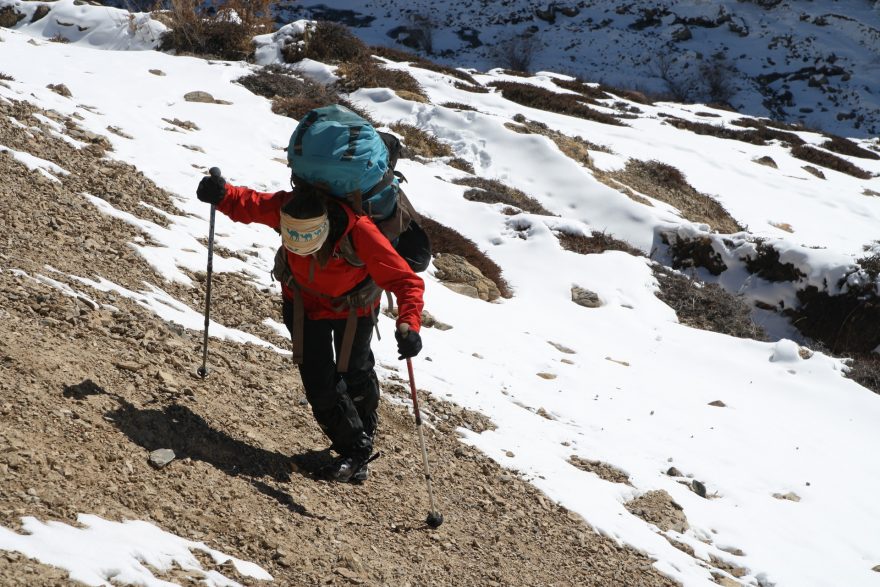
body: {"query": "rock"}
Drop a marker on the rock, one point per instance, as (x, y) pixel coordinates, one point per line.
(658, 508)
(41, 11)
(60, 89)
(718, 404)
(682, 33)
(876, 569)
(584, 297)
(546, 375)
(790, 496)
(201, 97)
(158, 72)
(768, 161)
(817, 172)
(166, 378)
(673, 472)
(161, 457)
(455, 272)
(561, 348)
(352, 562)
(698, 488)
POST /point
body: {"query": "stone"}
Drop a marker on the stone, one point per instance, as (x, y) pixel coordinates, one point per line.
(584, 297)
(718, 404)
(673, 472)
(768, 161)
(790, 496)
(60, 89)
(158, 72)
(547, 375)
(161, 457)
(682, 33)
(459, 275)
(201, 97)
(699, 488)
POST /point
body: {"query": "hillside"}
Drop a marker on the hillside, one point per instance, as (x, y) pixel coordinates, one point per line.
(671, 386)
(812, 62)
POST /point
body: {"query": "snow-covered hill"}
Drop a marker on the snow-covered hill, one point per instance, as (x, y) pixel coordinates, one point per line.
(813, 62)
(760, 444)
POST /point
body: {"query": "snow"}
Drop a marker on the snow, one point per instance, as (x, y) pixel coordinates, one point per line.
(636, 391)
(102, 551)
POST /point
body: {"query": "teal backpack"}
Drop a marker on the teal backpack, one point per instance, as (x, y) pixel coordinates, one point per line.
(340, 153)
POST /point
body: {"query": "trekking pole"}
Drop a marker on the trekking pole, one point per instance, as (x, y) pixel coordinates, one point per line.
(203, 370)
(435, 518)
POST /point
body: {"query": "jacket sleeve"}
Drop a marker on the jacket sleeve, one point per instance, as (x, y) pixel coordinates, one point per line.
(389, 270)
(245, 205)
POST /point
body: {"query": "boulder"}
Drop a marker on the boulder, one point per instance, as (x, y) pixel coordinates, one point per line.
(456, 273)
(584, 297)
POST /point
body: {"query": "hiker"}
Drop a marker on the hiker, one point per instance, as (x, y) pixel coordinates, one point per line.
(318, 232)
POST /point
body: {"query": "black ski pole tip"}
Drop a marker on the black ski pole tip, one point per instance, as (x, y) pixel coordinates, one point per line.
(202, 372)
(214, 172)
(434, 519)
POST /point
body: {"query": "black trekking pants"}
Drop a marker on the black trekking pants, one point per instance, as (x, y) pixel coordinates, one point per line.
(344, 404)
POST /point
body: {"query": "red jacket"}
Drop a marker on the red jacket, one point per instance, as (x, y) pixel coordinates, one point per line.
(382, 262)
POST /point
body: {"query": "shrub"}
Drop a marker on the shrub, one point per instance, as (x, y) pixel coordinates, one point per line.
(9, 16)
(447, 240)
(844, 146)
(474, 89)
(845, 323)
(766, 265)
(418, 143)
(542, 99)
(458, 106)
(421, 62)
(697, 252)
(706, 306)
(597, 242)
(461, 165)
(871, 264)
(59, 38)
(6, 77)
(367, 73)
(825, 159)
(591, 93)
(865, 370)
(225, 34)
(490, 191)
(329, 42)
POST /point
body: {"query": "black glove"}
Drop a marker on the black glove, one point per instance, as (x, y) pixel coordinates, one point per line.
(409, 344)
(211, 189)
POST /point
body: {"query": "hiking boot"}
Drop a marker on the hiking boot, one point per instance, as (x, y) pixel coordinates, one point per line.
(344, 468)
(361, 474)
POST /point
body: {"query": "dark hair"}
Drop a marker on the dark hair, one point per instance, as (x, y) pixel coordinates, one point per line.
(307, 202)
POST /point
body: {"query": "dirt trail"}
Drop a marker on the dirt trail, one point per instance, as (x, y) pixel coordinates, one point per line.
(86, 393)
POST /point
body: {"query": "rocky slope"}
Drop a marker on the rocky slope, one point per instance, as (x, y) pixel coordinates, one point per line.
(91, 383)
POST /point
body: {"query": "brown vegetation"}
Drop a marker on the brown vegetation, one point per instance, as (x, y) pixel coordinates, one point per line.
(596, 243)
(844, 146)
(368, 73)
(461, 165)
(757, 132)
(697, 252)
(328, 42)
(474, 89)
(829, 161)
(666, 183)
(418, 143)
(225, 34)
(9, 16)
(422, 63)
(6, 77)
(458, 106)
(447, 240)
(542, 99)
(490, 191)
(706, 306)
(766, 265)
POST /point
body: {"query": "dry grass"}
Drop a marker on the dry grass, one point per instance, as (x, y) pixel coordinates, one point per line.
(472, 88)
(871, 264)
(666, 183)
(576, 147)
(829, 161)
(447, 240)
(542, 99)
(461, 165)
(458, 106)
(596, 243)
(422, 63)
(706, 306)
(59, 38)
(6, 77)
(845, 323)
(367, 73)
(328, 42)
(225, 34)
(865, 370)
(291, 96)
(755, 132)
(418, 143)
(490, 191)
(844, 146)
